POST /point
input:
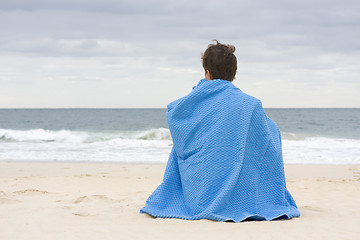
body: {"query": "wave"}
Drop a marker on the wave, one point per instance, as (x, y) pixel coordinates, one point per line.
(71, 136)
(155, 134)
(77, 136)
(321, 150)
(152, 145)
(293, 136)
(41, 135)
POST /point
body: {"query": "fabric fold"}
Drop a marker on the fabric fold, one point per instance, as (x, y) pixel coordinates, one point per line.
(226, 162)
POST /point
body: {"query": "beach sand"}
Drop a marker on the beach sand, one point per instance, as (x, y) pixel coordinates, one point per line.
(102, 201)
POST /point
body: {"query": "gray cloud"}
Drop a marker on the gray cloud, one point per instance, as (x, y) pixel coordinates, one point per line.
(139, 39)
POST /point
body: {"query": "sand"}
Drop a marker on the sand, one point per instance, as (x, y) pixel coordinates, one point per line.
(102, 201)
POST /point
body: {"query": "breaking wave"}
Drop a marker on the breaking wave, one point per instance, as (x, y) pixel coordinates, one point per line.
(152, 145)
(70, 136)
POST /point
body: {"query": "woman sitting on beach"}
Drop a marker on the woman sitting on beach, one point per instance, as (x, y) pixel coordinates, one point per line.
(226, 162)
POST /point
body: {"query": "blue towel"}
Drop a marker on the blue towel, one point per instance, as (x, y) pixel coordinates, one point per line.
(226, 162)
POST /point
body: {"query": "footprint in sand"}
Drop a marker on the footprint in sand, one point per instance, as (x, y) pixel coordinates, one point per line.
(84, 175)
(88, 199)
(8, 201)
(356, 175)
(311, 208)
(5, 200)
(104, 198)
(86, 205)
(81, 214)
(30, 192)
(81, 199)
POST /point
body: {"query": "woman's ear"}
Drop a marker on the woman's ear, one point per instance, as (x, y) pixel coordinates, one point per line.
(208, 75)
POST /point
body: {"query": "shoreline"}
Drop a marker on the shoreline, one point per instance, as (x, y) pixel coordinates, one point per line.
(56, 200)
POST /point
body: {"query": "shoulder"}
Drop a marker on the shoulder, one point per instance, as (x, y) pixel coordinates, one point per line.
(245, 99)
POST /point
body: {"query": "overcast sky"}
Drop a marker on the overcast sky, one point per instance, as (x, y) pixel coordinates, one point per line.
(115, 54)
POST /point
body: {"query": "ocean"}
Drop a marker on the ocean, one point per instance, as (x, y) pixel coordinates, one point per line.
(309, 136)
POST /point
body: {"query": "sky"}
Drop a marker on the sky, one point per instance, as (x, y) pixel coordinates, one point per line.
(145, 54)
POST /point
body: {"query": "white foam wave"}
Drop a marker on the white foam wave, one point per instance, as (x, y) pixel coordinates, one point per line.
(320, 150)
(155, 134)
(152, 145)
(64, 145)
(41, 135)
(293, 136)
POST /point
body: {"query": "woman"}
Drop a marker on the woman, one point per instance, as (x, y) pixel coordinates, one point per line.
(226, 162)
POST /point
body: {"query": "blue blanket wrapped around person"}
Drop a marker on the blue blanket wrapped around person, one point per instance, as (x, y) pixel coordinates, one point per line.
(226, 162)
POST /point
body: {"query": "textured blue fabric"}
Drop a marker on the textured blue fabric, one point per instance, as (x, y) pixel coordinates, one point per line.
(226, 162)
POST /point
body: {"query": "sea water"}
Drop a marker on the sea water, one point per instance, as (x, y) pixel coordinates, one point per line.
(309, 136)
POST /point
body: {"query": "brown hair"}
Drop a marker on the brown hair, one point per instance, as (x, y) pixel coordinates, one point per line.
(220, 60)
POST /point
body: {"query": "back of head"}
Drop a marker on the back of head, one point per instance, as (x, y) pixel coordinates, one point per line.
(220, 61)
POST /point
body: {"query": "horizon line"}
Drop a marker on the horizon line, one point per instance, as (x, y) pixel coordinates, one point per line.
(166, 108)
